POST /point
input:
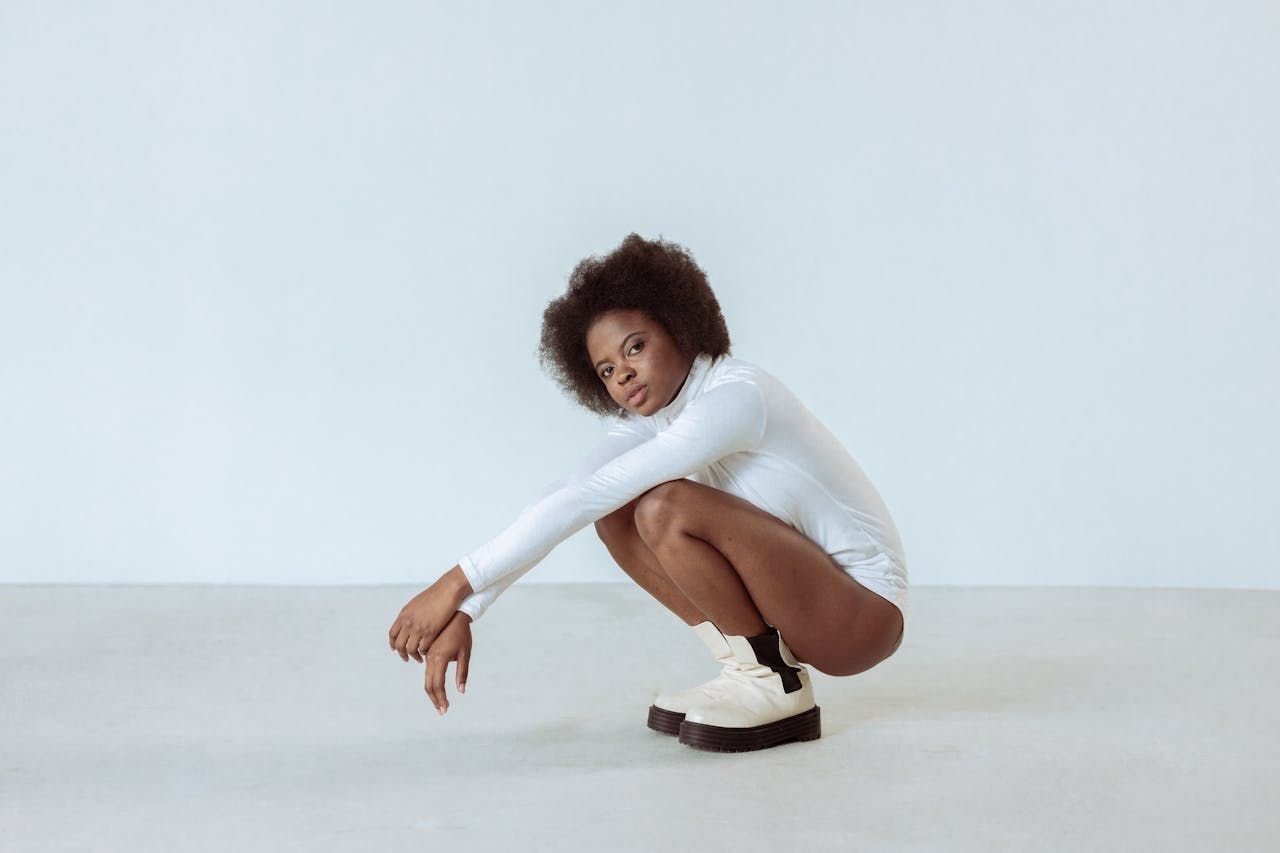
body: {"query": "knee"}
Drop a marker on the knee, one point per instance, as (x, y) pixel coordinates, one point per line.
(657, 509)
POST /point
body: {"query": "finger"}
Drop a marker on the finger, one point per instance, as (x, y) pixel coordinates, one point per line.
(460, 671)
(429, 683)
(411, 645)
(401, 640)
(437, 680)
(419, 648)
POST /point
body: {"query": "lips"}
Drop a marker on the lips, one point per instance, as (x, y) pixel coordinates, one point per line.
(636, 394)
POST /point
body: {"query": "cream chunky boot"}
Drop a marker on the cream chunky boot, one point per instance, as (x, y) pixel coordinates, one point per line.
(767, 700)
(668, 709)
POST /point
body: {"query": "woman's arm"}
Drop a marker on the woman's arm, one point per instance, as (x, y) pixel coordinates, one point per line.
(729, 418)
(622, 436)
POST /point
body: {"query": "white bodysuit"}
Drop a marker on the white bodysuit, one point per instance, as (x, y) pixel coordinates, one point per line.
(732, 426)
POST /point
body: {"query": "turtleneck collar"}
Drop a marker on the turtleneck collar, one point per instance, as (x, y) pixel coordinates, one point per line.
(692, 384)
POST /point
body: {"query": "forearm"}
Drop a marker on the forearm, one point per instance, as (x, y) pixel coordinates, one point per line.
(457, 584)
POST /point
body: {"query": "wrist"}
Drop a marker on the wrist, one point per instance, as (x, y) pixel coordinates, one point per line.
(457, 584)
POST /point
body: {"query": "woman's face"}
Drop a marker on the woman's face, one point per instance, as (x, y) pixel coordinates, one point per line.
(632, 351)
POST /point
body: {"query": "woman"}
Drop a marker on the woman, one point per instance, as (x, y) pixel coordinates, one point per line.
(716, 490)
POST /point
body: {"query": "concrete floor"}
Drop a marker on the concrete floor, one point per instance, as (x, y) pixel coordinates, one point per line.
(276, 718)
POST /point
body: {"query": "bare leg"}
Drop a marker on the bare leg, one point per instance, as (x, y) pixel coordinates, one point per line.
(745, 568)
(707, 577)
(618, 532)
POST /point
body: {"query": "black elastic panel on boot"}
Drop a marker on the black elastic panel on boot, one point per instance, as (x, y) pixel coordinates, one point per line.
(767, 652)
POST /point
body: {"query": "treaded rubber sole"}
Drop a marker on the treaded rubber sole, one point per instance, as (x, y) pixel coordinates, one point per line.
(804, 726)
(662, 720)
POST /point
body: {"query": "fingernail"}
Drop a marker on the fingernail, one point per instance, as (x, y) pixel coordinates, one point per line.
(440, 711)
(462, 688)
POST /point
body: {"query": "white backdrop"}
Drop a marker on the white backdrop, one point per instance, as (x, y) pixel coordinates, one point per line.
(272, 274)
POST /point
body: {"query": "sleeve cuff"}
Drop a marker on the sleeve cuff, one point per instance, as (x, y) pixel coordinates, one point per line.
(471, 610)
(469, 571)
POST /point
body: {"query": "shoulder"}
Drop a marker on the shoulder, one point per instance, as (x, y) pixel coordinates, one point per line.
(739, 386)
(727, 369)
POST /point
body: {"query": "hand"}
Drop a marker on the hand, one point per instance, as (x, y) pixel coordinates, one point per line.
(452, 644)
(425, 615)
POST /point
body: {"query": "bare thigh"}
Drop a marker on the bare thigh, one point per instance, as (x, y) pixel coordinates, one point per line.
(828, 619)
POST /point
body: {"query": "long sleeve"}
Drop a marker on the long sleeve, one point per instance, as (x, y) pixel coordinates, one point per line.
(621, 437)
(729, 418)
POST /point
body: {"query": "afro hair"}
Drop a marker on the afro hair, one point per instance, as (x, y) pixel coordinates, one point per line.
(657, 277)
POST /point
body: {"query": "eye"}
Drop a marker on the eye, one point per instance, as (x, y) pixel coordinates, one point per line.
(604, 374)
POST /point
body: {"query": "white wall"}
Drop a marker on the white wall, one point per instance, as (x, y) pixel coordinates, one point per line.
(272, 275)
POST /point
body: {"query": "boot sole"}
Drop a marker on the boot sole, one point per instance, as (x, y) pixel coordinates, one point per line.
(805, 726)
(662, 720)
